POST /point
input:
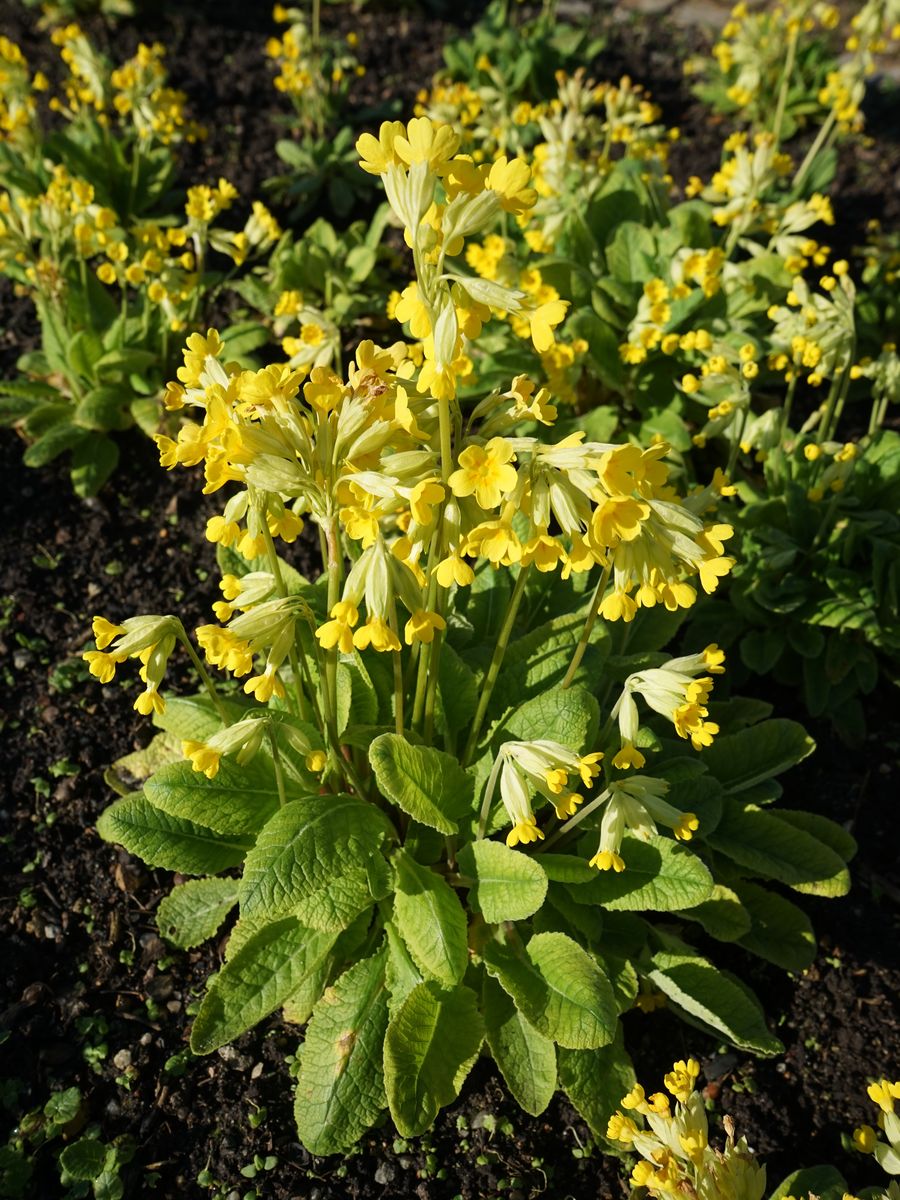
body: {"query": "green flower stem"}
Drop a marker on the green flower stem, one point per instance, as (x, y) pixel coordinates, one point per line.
(573, 822)
(879, 412)
(301, 708)
(736, 444)
(329, 525)
(434, 670)
(496, 662)
(425, 649)
(585, 638)
(821, 138)
(837, 398)
(786, 410)
(784, 86)
(488, 797)
(279, 772)
(396, 655)
(203, 673)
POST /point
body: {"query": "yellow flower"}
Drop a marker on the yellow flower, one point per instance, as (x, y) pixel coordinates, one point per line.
(485, 472)
(105, 632)
(542, 321)
(203, 758)
(712, 570)
(865, 1139)
(509, 180)
(421, 626)
(339, 631)
(425, 143)
(265, 686)
(524, 832)
(324, 390)
(377, 154)
(102, 666)
(627, 757)
(618, 519)
(426, 494)
(608, 860)
(681, 1079)
(454, 569)
(149, 702)
(376, 633)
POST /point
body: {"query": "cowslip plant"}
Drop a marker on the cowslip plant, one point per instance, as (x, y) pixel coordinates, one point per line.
(724, 324)
(677, 1153)
(501, 78)
(317, 71)
(459, 800)
(110, 282)
(313, 289)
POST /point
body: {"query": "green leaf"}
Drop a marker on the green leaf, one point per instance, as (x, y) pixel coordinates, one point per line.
(401, 972)
(431, 1044)
(558, 988)
(767, 846)
(161, 840)
(538, 662)
(193, 911)
(567, 716)
(780, 932)
(430, 920)
(458, 689)
(833, 835)
(630, 255)
(104, 408)
(258, 979)
(84, 1159)
(739, 760)
(237, 801)
(427, 784)
(312, 860)
(194, 718)
(93, 461)
(596, 1080)
(722, 915)
(659, 876)
(567, 868)
(59, 437)
(340, 1088)
(823, 1182)
(711, 997)
(509, 885)
(527, 1060)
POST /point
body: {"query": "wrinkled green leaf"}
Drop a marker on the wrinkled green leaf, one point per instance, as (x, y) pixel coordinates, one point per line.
(194, 911)
(161, 840)
(269, 966)
(340, 1088)
(527, 1060)
(431, 1045)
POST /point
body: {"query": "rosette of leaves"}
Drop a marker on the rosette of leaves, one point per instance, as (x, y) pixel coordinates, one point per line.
(408, 946)
(814, 596)
(322, 172)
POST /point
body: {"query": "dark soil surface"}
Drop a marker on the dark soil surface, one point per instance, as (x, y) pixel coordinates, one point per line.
(91, 996)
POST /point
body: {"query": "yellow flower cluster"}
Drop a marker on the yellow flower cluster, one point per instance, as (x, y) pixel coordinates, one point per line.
(886, 1096)
(142, 95)
(18, 111)
(672, 1142)
(39, 234)
(314, 71)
